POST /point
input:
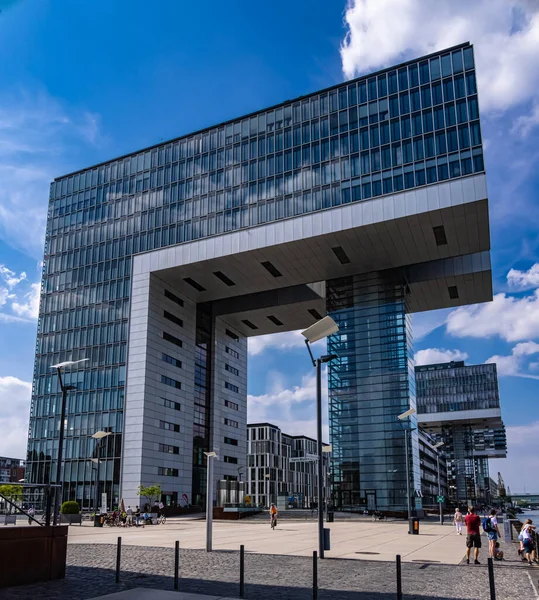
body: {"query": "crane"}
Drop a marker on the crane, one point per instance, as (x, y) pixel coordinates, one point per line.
(501, 486)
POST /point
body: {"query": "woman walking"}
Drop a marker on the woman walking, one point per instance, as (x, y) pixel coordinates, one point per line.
(458, 519)
(527, 540)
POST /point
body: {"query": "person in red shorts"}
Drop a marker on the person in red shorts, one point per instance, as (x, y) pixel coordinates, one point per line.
(473, 539)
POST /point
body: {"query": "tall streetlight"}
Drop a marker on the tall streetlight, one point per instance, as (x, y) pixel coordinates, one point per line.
(99, 437)
(326, 450)
(267, 477)
(65, 389)
(436, 446)
(318, 331)
(406, 416)
(209, 498)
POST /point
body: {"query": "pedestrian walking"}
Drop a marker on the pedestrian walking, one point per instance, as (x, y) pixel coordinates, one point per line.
(458, 519)
(31, 513)
(129, 512)
(137, 516)
(527, 540)
(490, 527)
(473, 537)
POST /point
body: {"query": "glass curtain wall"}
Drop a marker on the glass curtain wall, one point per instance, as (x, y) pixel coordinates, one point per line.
(370, 384)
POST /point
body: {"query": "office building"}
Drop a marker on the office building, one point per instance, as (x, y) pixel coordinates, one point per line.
(283, 468)
(460, 406)
(433, 471)
(11, 469)
(366, 201)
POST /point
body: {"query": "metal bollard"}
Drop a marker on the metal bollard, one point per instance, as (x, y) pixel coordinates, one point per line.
(242, 571)
(118, 559)
(176, 564)
(399, 578)
(491, 579)
(315, 575)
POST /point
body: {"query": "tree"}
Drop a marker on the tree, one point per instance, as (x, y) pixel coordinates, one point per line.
(151, 492)
(11, 492)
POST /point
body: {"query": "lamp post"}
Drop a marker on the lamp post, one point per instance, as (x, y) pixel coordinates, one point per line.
(318, 331)
(99, 437)
(209, 498)
(326, 450)
(436, 446)
(65, 389)
(267, 477)
(406, 415)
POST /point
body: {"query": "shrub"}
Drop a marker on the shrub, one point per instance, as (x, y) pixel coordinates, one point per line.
(70, 508)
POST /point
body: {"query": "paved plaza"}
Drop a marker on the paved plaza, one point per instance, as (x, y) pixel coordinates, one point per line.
(355, 539)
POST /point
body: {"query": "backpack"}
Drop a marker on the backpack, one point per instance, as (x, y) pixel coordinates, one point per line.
(487, 525)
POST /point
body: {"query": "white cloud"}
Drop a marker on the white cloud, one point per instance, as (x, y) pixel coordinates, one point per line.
(521, 463)
(15, 402)
(511, 318)
(432, 356)
(293, 408)
(525, 123)
(288, 340)
(515, 364)
(10, 278)
(37, 138)
(505, 34)
(29, 308)
(524, 280)
(424, 323)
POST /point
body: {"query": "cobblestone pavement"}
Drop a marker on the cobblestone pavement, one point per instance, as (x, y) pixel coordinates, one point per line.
(271, 577)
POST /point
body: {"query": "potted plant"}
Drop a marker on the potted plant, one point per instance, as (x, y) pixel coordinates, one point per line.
(152, 493)
(70, 512)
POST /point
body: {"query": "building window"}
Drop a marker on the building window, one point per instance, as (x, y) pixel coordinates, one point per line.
(231, 441)
(232, 370)
(230, 478)
(231, 423)
(232, 352)
(169, 426)
(171, 404)
(168, 449)
(172, 361)
(172, 318)
(231, 404)
(230, 386)
(172, 339)
(167, 472)
(232, 335)
(172, 382)
(173, 297)
(231, 459)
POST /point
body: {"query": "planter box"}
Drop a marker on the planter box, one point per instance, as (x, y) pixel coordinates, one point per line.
(71, 519)
(47, 547)
(10, 519)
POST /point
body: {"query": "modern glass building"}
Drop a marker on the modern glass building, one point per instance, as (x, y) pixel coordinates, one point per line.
(460, 406)
(366, 200)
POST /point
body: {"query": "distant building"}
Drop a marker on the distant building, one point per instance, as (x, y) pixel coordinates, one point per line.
(433, 470)
(282, 468)
(11, 469)
(460, 406)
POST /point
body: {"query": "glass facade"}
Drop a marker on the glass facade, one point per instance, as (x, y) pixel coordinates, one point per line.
(455, 388)
(370, 384)
(409, 126)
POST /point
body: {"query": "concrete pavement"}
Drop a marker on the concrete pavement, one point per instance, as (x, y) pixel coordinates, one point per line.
(378, 541)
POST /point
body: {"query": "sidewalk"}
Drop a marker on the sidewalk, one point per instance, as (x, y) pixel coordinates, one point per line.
(147, 594)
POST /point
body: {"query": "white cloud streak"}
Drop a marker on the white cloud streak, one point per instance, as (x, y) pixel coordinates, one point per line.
(515, 365)
(286, 341)
(15, 402)
(432, 356)
(22, 306)
(505, 34)
(524, 280)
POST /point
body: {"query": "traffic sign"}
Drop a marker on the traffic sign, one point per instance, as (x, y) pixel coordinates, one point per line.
(440, 499)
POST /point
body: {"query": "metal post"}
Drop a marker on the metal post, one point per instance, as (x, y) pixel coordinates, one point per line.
(242, 571)
(320, 465)
(176, 563)
(315, 576)
(209, 504)
(48, 506)
(97, 479)
(407, 477)
(58, 490)
(439, 489)
(491, 579)
(399, 578)
(118, 559)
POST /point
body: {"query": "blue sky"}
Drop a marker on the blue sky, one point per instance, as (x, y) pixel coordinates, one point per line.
(86, 81)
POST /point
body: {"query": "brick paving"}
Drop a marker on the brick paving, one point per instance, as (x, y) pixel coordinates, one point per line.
(90, 573)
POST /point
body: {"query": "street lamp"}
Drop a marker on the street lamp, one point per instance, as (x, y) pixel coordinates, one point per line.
(65, 389)
(326, 450)
(436, 446)
(99, 437)
(267, 477)
(401, 418)
(209, 498)
(318, 331)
